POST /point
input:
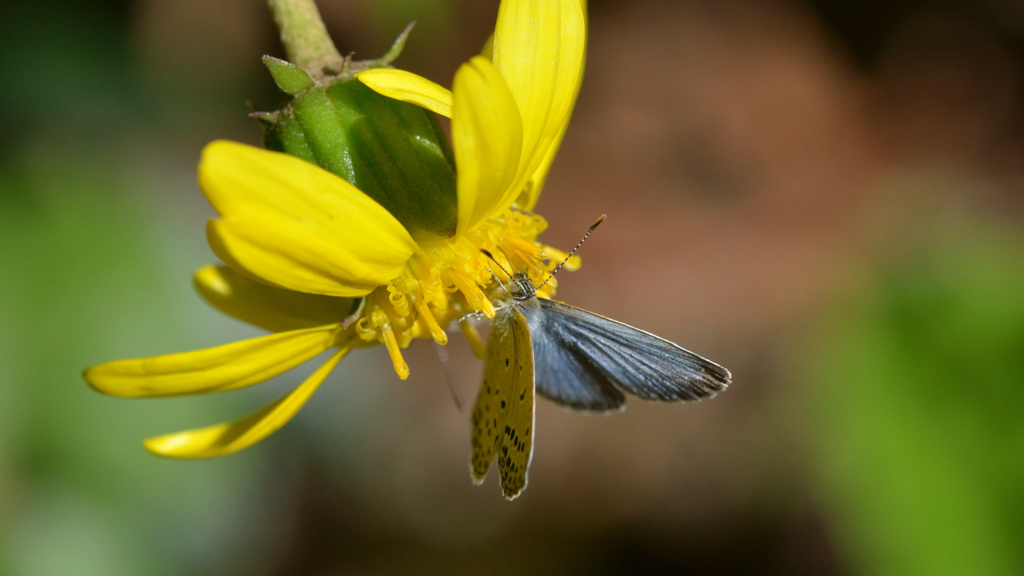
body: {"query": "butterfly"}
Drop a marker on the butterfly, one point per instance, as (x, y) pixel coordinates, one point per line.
(574, 358)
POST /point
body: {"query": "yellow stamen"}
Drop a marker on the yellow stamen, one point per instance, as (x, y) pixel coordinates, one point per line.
(533, 267)
(525, 248)
(401, 368)
(449, 279)
(398, 301)
(364, 331)
(380, 320)
(429, 284)
(435, 329)
(473, 294)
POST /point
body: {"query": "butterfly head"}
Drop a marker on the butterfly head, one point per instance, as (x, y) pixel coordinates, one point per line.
(523, 289)
(522, 286)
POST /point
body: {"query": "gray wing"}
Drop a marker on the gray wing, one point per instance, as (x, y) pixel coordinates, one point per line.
(587, 359)
(563, 374)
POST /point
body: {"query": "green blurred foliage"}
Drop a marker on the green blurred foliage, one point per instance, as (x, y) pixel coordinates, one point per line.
(917, 402)
(82, 268)
(92, 268)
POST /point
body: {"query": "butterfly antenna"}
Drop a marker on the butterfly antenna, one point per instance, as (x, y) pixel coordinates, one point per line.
(498, 264)
(585, 236)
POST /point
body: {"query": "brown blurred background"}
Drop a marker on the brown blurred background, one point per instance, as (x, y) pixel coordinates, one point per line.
(824, 196)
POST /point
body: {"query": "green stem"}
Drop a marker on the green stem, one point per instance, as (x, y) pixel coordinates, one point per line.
(305, 38)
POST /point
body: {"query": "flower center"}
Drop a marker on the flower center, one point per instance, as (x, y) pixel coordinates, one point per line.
(452, 278)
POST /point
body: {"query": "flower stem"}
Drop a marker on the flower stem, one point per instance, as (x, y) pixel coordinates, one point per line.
(304, 36)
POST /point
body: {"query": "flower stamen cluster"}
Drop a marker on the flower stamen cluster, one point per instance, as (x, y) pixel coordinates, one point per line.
(450, 279)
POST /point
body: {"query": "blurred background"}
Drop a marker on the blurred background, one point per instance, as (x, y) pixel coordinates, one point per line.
(824, 196)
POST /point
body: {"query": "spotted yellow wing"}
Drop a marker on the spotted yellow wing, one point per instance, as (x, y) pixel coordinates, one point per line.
(503, 415)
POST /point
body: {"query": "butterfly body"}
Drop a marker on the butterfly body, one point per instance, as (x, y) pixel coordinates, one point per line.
(574, 358)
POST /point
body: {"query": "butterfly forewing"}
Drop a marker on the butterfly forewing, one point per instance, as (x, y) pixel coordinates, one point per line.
(503, 416)
(564, 375)
(623, 357)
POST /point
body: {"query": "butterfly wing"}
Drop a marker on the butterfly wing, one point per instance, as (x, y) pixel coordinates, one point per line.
(607, 352)
(565, 375)
(503, 416)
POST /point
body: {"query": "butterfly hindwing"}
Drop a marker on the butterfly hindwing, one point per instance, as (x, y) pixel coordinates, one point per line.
(487, 412)
(624, 357)
(516, 448)
(503, 417)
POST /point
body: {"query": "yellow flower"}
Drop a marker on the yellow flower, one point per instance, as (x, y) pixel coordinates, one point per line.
(321, 265)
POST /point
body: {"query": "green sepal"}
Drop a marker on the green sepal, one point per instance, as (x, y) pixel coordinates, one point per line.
(289, 78)
(395, 152)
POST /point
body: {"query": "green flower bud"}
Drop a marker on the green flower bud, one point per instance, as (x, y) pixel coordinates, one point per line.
(395, 152)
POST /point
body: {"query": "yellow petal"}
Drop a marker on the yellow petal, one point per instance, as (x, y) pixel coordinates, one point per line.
(296, 225)
(288, 255)
(486, 138)
(223, 439)
(539, 49)
(530, 193)
(409, 87)
(226, 367)
(535, 184)
(488, 50)
(262, 305)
